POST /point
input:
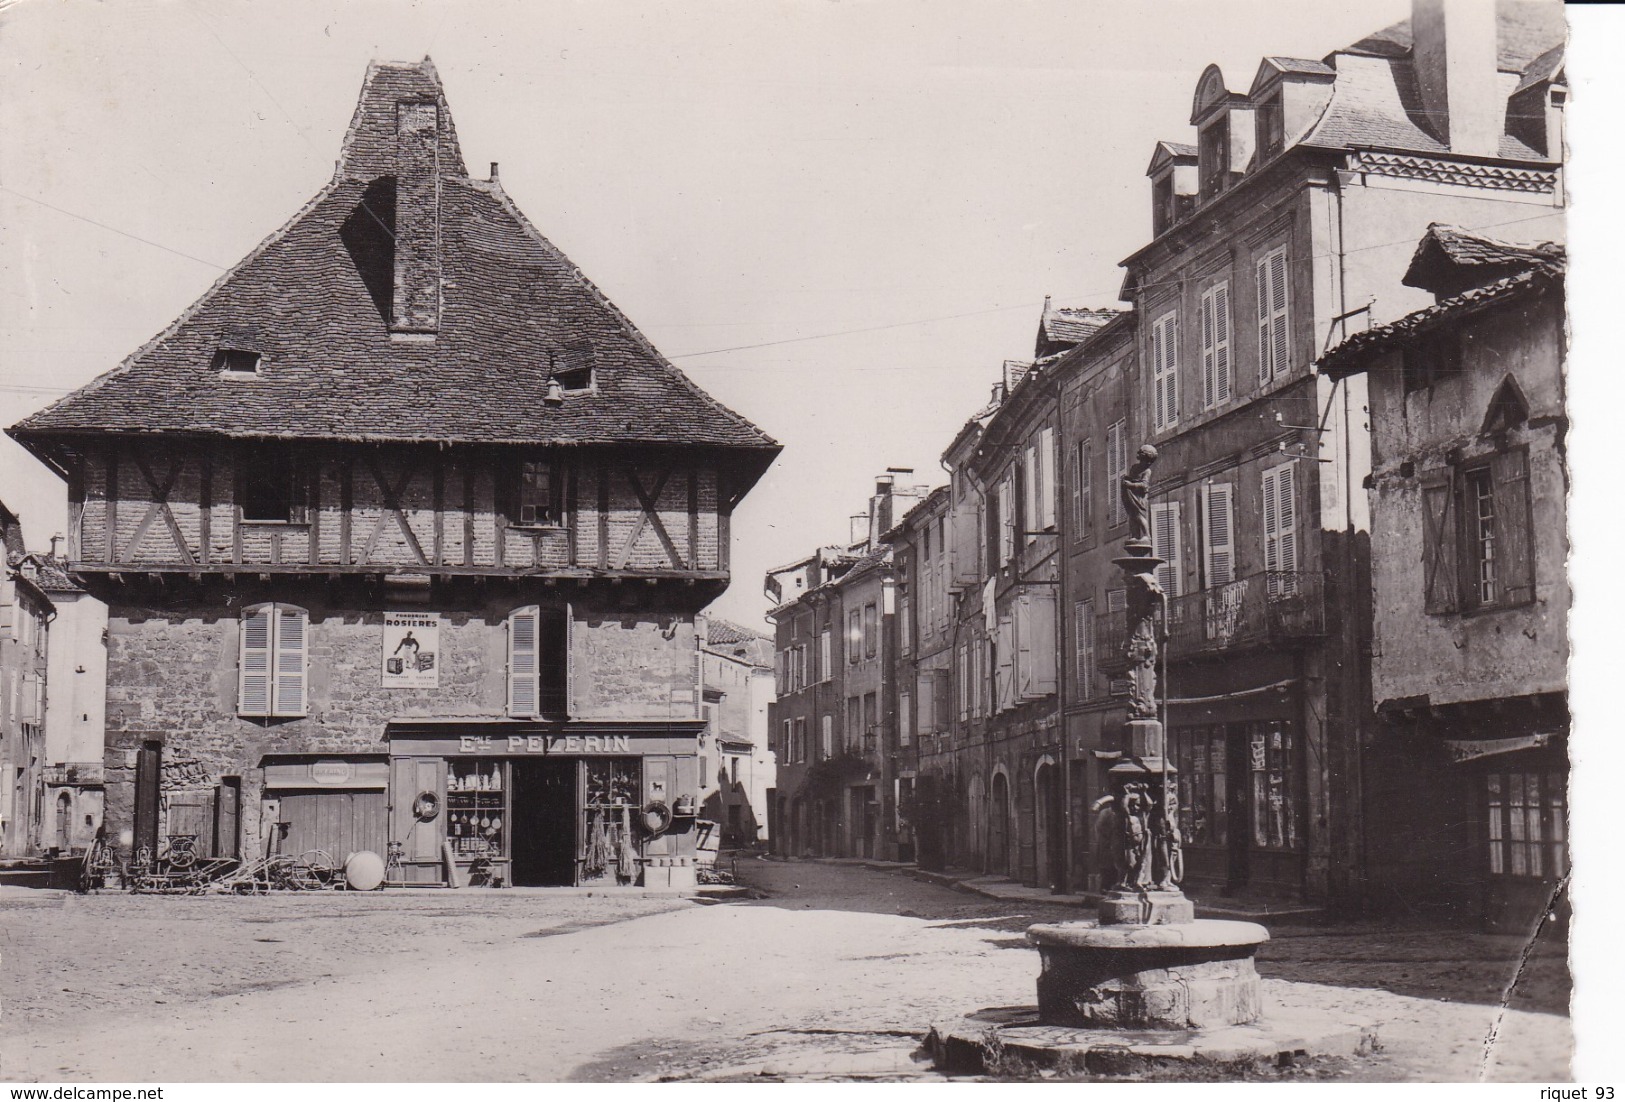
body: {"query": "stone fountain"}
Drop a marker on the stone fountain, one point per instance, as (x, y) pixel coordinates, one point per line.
(1146, 982)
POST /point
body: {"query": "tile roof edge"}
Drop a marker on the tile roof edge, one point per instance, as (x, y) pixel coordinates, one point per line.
(187, 314)
(495, 190)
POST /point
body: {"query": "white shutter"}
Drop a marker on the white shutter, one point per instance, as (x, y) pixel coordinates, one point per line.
(523, 664)
(1046, 469)
(1025, 659)
(1218, 539)
(905, 719)
(1165, 369)
(826, 736)
(1165, 545)
(1209, 355)
(1029, 494)
(824, 652)
(570, 706)
(1004, 669)
(254, 663)
(1280, 529)
(1265, 372)
(1116, 464)
(291, 637)
(1042, 644)
(1216, 345)
(1280, 339)
(1084, 636)
(1007, 524)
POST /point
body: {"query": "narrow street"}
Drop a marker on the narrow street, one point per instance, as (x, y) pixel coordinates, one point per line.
(835, 974)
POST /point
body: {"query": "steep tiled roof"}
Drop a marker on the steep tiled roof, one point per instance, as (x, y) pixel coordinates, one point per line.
(1525, 30)
(313, 301)
(1073, 324)
(1448, 259)
(720, 633)
(1544, 67)
(1376, 103)
(1353, 355)
(51, 574)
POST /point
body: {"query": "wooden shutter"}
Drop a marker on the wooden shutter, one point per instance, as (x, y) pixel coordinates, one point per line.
(1165, 545)
(1031, 518)
(1209, 355)
(1004, 669)
(1043, 644)
(1116, 464)
(1007, 520)
(1280, 530)
(1218, 539)
(1265, 370)
(1280, 339)
(1440, 592)
(1046, 471)
(523, 662)
(1084, 500)
(1165, 370)
(1220, 296)
(1083, 615)
(291, 640)
(254, 662)
(1514, 527)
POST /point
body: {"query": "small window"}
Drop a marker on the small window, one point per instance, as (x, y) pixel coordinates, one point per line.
(572, 367)
(237, 361)
(541, 495)
(270, 487)
(1271, 127)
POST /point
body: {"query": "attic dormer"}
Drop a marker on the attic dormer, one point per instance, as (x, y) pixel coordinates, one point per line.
(1535, 108)
(1225, 133)
(1288, 94)
(1173, 184)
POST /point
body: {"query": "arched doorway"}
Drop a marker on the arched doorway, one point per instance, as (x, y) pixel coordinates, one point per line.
(64, 822)
(1049, 825)
(998, 827)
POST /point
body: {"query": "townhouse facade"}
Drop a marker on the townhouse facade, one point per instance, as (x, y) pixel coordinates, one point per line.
(26, 613)
(403, 530)
(737, 767)
(1283, 229)
(1467, 769)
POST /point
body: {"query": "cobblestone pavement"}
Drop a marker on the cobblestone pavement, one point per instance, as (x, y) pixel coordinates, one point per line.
(834, 975)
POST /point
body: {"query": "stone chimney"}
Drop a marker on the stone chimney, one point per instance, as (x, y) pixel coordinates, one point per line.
(417, 218)
(1454, 54)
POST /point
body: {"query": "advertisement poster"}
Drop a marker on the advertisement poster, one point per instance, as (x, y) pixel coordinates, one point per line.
(411, 650)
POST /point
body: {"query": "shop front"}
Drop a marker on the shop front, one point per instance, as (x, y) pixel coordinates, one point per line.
(545, 805)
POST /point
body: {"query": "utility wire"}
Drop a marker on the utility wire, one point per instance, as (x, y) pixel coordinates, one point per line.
(111, 229)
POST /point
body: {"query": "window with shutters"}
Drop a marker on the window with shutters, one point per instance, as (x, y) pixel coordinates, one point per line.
(787, 747)
(826, 736)
(1035, 666)
(1007, 518)
(871, 630)
(539, 662)
(1046, 479)
(1477, 535)
(1029, 521)
(1083, 628)
(905, 719)
(1281, 530)
(824, 653)
(1218, 534)
(1165, 545)
(1274, 338)
(273, 645)
(1216, 345)
(854, 721)
(1165, 371)
(1083, 490)
(1116, 468)
(1004, 667)
(854, 636)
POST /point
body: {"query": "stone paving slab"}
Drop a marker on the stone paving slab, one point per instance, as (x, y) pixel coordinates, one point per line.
(991, 1037)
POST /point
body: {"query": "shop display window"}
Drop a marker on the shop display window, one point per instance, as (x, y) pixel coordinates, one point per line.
(1275, 811)
(476, 808)
(612, 808)
(1527, 827)
(1204, 816)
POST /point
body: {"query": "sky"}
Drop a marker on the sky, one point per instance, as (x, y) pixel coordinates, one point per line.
(837, 217)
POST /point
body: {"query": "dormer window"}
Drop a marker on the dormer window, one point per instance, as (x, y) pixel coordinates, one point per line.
(572, 368)
(1214, 157)
(1271, 126)
(237, 362)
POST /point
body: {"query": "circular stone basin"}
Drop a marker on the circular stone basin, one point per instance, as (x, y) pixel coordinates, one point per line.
(1188, 975)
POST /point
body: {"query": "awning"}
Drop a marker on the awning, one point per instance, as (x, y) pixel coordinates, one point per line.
(1469, 749)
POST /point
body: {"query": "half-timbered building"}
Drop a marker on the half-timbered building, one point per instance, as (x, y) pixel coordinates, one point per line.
(403, 528)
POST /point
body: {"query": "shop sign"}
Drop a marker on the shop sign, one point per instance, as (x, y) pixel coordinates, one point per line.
(331, 772)
(1468, 749)
(411, 658)
(545, 744)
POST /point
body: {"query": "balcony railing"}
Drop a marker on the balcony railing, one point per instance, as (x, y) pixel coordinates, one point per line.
(1274, 607)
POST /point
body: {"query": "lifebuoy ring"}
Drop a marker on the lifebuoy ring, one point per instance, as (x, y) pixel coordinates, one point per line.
(656, 817)
(426, 807)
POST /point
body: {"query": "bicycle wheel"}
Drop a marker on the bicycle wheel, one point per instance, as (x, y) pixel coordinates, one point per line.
(313, 871)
